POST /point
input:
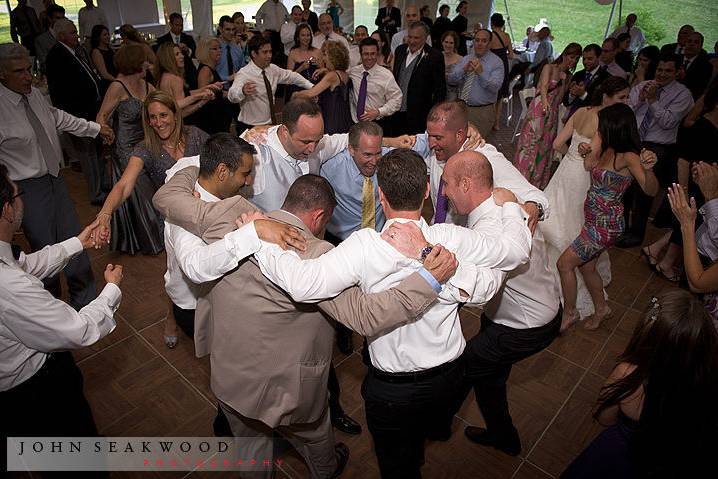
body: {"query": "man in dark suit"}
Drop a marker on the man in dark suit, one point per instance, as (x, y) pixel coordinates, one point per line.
(186, 44)
(388, 19)
(419, 72)
(696, 65)
(75, 88)
(679, 46)
(585, 82)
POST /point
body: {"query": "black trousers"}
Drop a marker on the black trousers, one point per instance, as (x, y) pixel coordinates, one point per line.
(637, 204)
(489, 357)
(50, 403)
(402, 415)
(49, 218)
(184, 319)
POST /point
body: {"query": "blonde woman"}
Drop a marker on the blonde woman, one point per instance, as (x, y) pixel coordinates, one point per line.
(169, 75)
(333, 89)
(217, 114)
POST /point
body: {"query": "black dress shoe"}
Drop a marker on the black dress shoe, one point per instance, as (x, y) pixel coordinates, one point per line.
(346, 424)
(342, 452)
(628, 240)
(510, 445)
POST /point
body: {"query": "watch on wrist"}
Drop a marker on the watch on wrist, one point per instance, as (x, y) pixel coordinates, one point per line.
(540, 209)
(425, 251)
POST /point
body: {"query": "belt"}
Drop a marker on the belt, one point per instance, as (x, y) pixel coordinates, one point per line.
(480, 106)
(414, 376)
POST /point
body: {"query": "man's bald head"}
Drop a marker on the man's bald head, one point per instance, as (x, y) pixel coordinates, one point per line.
(468, 180)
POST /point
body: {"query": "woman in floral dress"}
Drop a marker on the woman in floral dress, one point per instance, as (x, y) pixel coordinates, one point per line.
(534, 150)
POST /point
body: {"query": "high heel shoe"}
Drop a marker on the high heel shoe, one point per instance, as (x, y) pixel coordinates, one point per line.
(595, 320)
(171, 341)
(646, 253)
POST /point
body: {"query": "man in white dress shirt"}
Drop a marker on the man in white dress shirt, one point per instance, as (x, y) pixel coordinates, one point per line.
(326, 32)
(30, 148)
(521, 320)
(40, 385)
(637, 38)
(289, 27)
(381, 96)
(446, 135)
(256, 83)
(88, 17)
(414, 385)
(411, 15)
(271, 15)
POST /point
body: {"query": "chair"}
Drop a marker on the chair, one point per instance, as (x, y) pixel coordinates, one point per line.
(509, 100)
(525, 96)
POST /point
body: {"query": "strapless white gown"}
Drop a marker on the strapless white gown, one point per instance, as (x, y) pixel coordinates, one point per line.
(566, 194)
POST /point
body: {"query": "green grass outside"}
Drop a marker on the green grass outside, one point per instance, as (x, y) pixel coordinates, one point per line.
(582, 21)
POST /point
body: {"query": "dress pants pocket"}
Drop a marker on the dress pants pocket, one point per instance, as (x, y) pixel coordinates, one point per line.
(313, 380)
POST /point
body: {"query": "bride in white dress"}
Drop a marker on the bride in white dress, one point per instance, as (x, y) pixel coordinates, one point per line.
(567, 189)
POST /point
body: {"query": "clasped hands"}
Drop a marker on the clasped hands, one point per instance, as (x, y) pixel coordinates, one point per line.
(113, 273)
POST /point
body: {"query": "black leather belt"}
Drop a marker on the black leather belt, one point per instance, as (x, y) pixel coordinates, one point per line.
(415, 376)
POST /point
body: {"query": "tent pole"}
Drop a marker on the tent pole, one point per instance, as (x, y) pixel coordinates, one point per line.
(610, 19)
(508, 18)
(620, 11)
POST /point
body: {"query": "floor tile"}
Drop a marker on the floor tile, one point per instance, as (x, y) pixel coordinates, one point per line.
(529, 471)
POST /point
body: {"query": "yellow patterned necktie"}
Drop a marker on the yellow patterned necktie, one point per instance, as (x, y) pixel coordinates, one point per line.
(368, 207)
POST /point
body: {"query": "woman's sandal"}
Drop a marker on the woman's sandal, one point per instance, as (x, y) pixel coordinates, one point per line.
(646, 253)
(674, 277)
(594, 322)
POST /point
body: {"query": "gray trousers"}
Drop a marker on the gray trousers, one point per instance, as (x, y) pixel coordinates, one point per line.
(50, 218)
(89, 152)
(314, 441)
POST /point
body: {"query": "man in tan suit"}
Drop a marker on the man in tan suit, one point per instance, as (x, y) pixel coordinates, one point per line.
(270, 356)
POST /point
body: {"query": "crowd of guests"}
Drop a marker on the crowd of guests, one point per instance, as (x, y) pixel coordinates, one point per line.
(308, 152)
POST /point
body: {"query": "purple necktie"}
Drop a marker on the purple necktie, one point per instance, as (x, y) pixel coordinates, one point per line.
(361, 103)
(442, 203)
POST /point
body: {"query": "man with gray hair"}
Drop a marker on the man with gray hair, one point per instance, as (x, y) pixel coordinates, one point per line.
(30, 148)
(419, 71)
(75, 88)
(411, 15)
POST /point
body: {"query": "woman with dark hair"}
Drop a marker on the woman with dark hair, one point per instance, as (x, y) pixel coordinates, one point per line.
(659, 403)
(441, 25)
(460, 24)
(303, 57)
(645, 67)
(385, 57)
(566, 191)
(333, 89)
(624, 58)
(614, 159)
(102, 55)
(534, 151)
(500, 46)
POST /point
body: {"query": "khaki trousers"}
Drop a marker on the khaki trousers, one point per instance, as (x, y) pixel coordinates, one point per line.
(255, 440)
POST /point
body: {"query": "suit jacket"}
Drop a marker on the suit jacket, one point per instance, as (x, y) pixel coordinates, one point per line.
(72, 88)
(426, 87)
(579, 77)
(698, 75)
(669, 48)
(394, 14)
(190, 71)
(271, 356)
(43, 43)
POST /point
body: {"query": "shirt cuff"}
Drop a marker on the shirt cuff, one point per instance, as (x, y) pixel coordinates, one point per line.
(515, 210)
(710, 209)
(430, 279)
(72, 246)
(243, 242)
(113, 294)
(94, 128)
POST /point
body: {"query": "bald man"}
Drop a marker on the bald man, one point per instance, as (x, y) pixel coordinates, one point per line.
(411, 15)
(522, 319)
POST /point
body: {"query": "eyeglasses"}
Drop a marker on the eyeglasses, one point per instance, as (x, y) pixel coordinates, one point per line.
(17, 195)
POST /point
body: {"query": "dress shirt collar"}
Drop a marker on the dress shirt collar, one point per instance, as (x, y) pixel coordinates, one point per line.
(6, 253)
(289, 218)
(176, 38)
(421, 223)
(480, 211)
(205, 195)
(13, 97)
(274, 143)
(254, 68)
(595, 70)
(74, 54)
